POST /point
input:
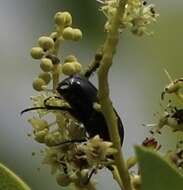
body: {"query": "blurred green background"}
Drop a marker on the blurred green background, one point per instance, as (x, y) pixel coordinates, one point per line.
(136, 79)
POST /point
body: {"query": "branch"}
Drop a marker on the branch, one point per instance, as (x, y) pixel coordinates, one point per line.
(106, 104)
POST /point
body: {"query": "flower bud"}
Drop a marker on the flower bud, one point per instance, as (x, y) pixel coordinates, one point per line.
(136, 182)
(77, 34)
(173, 87)
(77, 66)
(68, 33)
(71, 68)
(63, 18)
(38, 84)
(70, 58)
(53, 138)
(54, 35)
(45, 76)
(37, 52)
(40, 135)
(63, 180)
(46, 64)
(38, 124)
(46, 42)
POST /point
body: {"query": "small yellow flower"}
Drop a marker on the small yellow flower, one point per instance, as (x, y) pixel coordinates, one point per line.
(98, 151)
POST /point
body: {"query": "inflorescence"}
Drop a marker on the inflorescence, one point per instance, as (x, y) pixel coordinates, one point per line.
(73, 159)
(137, 16)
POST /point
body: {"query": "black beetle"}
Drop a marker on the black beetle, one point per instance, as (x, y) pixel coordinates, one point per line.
(81, 95)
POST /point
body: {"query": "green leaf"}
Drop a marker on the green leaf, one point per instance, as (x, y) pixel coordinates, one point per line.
(10, 181)
(156, 172)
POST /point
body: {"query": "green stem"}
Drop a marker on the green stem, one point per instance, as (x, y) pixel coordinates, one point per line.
(106, 104)
(55, 72)
(55, 77)
(116, 176)
(9, 180)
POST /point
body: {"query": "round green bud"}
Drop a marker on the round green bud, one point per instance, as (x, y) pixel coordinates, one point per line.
(68, 33)
(53, 138)
(46, 64)
(54, 36)
(38, 124)
(63, 18)
(38, 84)
(37, 52)
(77, 66)
(68, 68)
(63, 180)
(67, 18)
(70, 58)
(40, 135)
(77, 34)
(45, 76)
(174, 87)
(46, 42)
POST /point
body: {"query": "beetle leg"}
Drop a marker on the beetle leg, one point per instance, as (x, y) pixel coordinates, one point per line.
(94, 65)
(90, 176)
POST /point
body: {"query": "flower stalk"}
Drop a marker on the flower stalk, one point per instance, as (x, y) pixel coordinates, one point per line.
(109, 48)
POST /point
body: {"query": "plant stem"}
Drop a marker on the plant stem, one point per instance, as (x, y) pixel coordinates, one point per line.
(116, 176)
(106, 104)
(55, 72)
(55, 77)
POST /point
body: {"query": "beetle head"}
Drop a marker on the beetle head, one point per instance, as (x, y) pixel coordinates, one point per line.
(65, 88)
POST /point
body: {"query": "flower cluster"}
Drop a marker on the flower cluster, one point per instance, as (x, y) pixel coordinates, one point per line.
(47, 50)
(171, 117)
(137, 15)
(76, 163)
(69, 152)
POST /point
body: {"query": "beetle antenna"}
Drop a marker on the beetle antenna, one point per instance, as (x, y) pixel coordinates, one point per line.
(49, 107)
(30, 109)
